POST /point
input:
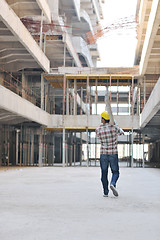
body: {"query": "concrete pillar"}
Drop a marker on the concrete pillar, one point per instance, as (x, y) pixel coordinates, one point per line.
(132, 95)
(53, 149)
(40, 149)
(81, 101)
(110, 82)
(32, 147)
(46, 96)
(87, 96)
(71, 104)
(106, 94)
(64, 92)
(64, 143)
(87, 148)
(21, 145)
(129, 100)
(42, 91)
(132, 162)
(95, 148)
(67, 100)
(75, 96)
(8, 145)
(143, 153)
(17, 145)
(96, 96)
(80, 149)
(74, 149)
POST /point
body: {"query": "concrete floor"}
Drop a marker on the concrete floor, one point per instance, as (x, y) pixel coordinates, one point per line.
(67, 204)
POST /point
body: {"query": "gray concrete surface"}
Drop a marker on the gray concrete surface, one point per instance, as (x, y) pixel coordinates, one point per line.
(67, 203)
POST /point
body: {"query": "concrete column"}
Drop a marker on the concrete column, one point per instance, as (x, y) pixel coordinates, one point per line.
(66, 148)
(75, 97)
(95, 148)
(87, 148)
(29, 148)
(46, 96)
(81, 100)
(138, 102)
(132, 150)
(143, 153)
(80, 149)
(32, 147)
(53, 150)
(67, 100)
(117, 96)
(64, 143)
(21, 145)
(42, 91)
(87, 95)
(40, 149)
(17, 145)
(71, 157)
(129, 101)
(106, 94)
(8, 145)
(132, 95)
(110, 82)
(64, 92)
(71, 104)
(96, 96)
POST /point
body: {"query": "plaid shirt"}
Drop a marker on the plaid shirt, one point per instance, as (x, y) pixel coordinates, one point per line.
(108, 138)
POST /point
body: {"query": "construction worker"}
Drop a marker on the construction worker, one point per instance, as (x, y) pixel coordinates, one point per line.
(108, 135)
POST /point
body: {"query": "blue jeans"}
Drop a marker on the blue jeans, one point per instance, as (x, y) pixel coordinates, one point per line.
(105, 161)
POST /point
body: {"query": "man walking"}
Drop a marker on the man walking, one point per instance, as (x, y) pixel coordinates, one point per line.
(108, 135)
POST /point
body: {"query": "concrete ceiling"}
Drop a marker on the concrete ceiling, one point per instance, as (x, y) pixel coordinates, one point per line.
(16, 52)
(7, 117)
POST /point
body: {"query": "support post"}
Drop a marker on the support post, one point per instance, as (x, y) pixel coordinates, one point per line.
(64, 90)
(75, 97)
(143, 152)
(42, 92)
(110, 82)
(132, 150)
(87, 148)
(96, 96)
(17, 144)
(40, 149)
(64, 160)
(132, 95)
(117, 97)
(32, 148)
(67, 101)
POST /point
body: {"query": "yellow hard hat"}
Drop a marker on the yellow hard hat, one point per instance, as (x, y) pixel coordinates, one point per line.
(105, 115)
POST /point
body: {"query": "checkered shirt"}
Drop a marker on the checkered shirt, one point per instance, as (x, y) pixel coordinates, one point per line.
(108, 135)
